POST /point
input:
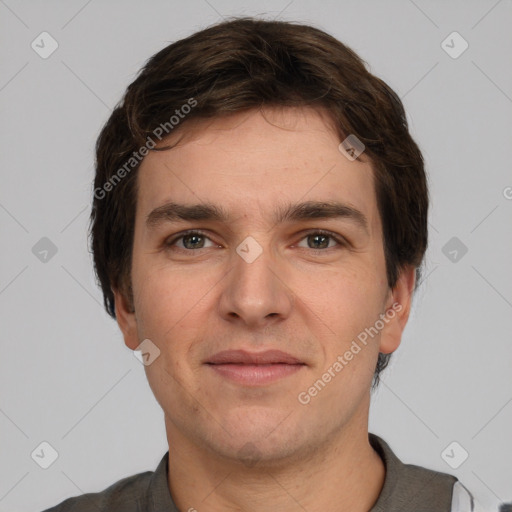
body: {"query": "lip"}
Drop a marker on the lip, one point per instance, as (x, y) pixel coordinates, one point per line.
(255, 358)
(254, 368)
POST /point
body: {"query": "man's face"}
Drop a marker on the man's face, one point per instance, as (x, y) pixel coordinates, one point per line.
(254, 281)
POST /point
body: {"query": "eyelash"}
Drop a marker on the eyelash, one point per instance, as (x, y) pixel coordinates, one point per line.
(339, 240)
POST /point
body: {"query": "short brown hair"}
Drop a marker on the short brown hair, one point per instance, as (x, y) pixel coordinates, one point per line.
(244, 64)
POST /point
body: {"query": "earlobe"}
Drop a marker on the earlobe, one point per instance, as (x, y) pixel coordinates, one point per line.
(397, 311)
(126, 320)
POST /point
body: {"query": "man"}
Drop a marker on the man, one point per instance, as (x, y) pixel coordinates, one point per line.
(258, 227)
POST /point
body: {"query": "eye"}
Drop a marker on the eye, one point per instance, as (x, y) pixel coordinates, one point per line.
(319, 240)
(195, 240)
(191, 240)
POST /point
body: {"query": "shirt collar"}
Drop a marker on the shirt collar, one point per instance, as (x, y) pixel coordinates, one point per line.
(158, 494)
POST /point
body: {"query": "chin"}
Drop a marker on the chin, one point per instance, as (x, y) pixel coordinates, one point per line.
(264, 439)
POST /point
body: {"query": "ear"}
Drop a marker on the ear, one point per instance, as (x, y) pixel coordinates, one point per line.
(125, 316)
(398, 307)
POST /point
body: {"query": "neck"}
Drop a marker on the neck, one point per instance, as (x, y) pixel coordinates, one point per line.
(344, 474)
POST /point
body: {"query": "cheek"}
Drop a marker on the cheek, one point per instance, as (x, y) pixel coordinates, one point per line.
(349, 309)
(348, 303)
(356, 286)
(171, 307)
(167, 308)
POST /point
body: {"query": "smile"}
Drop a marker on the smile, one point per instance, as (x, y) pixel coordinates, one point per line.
(255, 374)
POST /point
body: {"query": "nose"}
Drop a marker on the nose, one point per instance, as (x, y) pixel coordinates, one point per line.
(255, 292)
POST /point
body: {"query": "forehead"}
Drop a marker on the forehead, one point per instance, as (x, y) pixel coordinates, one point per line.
(253, 161)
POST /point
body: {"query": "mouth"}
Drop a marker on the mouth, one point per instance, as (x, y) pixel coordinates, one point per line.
(254, 368)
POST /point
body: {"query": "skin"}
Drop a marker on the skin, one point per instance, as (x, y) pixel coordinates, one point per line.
(257, 448)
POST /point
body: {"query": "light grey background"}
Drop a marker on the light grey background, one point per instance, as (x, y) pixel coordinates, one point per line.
(66, 377)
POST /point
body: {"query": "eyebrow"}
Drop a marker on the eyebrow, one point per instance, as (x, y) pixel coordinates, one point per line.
(175, 212)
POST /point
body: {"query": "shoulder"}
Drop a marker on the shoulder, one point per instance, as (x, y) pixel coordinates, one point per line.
(415, 487)
(414, 475)
(130, 494)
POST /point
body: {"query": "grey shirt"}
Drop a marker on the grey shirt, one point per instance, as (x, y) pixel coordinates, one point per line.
(407, 488)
